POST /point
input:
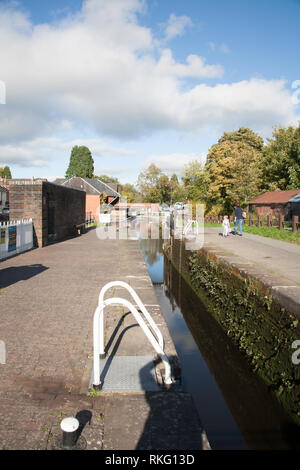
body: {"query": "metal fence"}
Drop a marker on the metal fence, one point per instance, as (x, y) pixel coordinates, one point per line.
(15, 237)
(89, 218)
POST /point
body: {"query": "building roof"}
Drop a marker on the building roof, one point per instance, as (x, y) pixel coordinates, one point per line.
(295, 198)
(59, 181)
(102, 187)
(94, 183)
(275, 197)
(3, 189)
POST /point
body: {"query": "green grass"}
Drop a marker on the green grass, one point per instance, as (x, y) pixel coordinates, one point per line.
(270, 232)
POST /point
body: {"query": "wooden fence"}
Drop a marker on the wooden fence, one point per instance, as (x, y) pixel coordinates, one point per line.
(260, 221)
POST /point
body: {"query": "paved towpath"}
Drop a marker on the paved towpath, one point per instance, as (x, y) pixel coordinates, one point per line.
(274, 262)
(47, 299)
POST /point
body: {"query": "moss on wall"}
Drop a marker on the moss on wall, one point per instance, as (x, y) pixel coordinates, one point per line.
(261, 328)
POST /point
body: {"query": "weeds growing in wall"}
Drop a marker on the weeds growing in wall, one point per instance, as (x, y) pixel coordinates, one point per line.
(261, 328)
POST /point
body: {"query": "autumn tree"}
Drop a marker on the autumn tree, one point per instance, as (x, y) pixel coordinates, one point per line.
(233, 169)
(130, 192)
(154, 185)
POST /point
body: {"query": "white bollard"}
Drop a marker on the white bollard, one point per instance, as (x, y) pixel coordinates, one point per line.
(69, 427)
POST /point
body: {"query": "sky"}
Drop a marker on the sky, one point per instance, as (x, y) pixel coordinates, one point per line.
(141, 81)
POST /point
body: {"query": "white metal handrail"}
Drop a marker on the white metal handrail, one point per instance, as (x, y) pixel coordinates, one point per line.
(98, 330)
(140, 304)
(188, 226)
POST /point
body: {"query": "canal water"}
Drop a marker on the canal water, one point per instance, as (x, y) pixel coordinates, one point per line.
(235, 407)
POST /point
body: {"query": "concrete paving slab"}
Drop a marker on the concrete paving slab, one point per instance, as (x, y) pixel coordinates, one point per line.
(273, 262)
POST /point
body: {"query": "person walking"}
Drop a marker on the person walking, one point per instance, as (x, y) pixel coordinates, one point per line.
(226, 226)
(238, 220)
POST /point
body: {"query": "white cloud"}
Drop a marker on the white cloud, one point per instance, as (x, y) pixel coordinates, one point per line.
(176, 26)
(224, 48)
(101, 71)
(195, 67)
(40, 151)
(174, 162)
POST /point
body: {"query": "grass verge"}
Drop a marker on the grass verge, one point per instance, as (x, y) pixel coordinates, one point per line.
(269, 232)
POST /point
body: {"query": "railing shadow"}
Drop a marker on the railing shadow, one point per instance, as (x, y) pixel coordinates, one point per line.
(15, 274)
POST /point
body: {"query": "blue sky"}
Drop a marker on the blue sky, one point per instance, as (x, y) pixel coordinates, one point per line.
(141, 81)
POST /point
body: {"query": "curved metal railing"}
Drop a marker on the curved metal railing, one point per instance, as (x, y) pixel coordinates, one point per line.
(98, 329)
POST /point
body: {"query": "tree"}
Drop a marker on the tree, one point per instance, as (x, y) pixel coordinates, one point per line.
(148, 184)
(194, 181)
(107, 179)
(246, 135)
(281, 160)
(154, 185)
(130, 192)
(5, 172)
(164, 189)
(81, 163)
(177, 193)
(233, 169)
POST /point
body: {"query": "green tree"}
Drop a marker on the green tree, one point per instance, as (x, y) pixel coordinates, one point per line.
(148, 184)
(281, 160)
(246, 135)
(164, 188)
(5, 172)
(194, 181)
(130, 192)
(233, 169)
(177, 191)
(107, 179)
(81, 163)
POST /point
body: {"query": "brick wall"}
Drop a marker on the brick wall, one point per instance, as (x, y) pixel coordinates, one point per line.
(55, 209)
(92, 205)
(26, 203)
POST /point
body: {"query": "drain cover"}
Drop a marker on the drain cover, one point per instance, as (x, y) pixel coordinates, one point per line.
(128, 374)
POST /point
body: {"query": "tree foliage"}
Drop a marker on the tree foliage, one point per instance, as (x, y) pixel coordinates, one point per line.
(130, 192)
(281, 160)
(81, 163)
(194, 181)
(5, 172)
(151, 184)
(107, 179)
(233, 169)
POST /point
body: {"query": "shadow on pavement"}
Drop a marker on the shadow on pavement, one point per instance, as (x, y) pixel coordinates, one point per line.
(84, 417)
(172, 423)
(15, 274)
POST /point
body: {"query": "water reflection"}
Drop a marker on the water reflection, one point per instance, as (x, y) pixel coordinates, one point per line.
(152, 251)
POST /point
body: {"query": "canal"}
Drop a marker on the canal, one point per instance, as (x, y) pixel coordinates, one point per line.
(235, 407)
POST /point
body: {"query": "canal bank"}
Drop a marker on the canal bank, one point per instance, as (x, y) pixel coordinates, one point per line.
(235, 281)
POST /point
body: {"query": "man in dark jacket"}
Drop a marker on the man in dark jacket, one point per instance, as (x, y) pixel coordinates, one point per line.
(238, 219)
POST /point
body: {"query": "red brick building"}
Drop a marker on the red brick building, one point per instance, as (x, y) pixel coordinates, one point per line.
(55, 210)
(273, 203)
